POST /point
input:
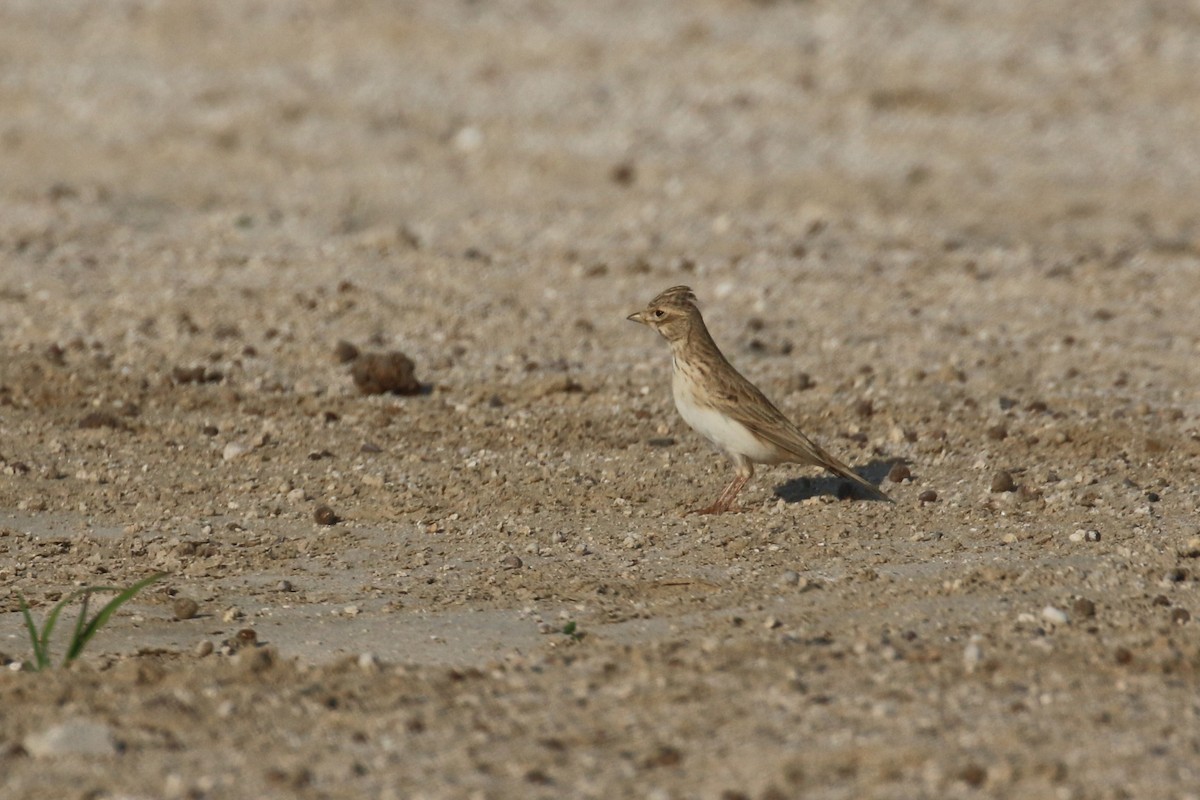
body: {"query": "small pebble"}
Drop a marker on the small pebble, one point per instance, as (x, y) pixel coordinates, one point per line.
(231, 613)
(1160, 600)
(928, 496)
(285, 586)
(791, 577)
(997, 432)
(376, 373)
(1084, 608)
(973, 775)
(185, 608)
(512, 562)
(899, 473)
(351, 611)
(246, 636)
(1123, 655)
(344, 352)
(235, 450)
(1002, 481)
(1055, 616)
(203, 648)
(1177, 575)
(73, 738)
(368, 662)
(771, 623)
(323, 515)
(972, 655)
(1180, 616)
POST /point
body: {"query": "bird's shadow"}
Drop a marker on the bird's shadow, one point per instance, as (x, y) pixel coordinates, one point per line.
(800, 489)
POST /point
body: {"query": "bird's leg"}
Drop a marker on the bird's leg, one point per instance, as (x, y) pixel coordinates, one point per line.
(745, 471)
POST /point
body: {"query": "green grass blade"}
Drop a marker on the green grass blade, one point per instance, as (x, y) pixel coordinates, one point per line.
(41, 659)
(97, 622)
(81, 620)
(52, 620)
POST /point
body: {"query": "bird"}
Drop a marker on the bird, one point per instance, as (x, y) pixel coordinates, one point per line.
(726, 408)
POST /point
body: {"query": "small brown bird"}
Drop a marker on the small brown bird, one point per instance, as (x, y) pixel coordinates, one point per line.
(724, 407)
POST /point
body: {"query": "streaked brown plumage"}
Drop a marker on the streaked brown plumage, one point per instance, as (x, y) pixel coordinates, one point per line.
(724, 407)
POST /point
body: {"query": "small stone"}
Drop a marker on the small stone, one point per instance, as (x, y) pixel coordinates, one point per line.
(997, 432)
(323, 515)
(344, 352)
(285, 586)
(203, 648)
(1160, 600)
(1055, 616)
(101, 419)
(246, 636)
(972, 655)
(185, 608)
(1091, 536)
(297, 496)
(1123, 655)
(1153, 497)
(1002, 481)
(899, 473)
(74, 737)
(1078, 535)
(512, 562)
(791, 577)
(376, 373)
(973, 775)
(1084, 608)
(623, 174)
(351, 611)
(1191, 548)
(232, 613)
(368, 662)
(1180, 616)
(1009, 538)
(771, 623)
(235, 450)
(1176, 575)
(928, 496)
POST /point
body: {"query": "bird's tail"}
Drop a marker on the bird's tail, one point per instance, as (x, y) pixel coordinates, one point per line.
(842, 471)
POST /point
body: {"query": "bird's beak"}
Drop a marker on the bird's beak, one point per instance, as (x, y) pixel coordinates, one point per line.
(639, 316)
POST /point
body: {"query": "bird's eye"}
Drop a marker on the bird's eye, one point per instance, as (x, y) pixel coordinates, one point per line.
(659, 313)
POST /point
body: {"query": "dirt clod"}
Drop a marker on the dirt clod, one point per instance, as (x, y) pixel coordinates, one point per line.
(324, 515)
(185, 608)
(377, 373)
(344, 352)
(1002, 481)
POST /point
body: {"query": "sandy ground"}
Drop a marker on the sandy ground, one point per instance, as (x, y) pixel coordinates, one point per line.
(959, 237)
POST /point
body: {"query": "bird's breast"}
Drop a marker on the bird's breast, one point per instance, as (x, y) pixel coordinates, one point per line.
(719, 428)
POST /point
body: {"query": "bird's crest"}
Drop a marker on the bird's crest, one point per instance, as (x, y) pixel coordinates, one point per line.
(676, 295)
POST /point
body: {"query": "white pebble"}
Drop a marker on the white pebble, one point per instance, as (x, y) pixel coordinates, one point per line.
(1055, 616)
(235, 450)
(75, 737)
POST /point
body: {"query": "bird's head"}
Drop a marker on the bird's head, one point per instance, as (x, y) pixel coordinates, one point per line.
(673, 313)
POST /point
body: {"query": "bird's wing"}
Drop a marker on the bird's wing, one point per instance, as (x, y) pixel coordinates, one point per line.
(745, 403)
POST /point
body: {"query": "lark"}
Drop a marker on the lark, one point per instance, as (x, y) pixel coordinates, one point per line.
(728, 410)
